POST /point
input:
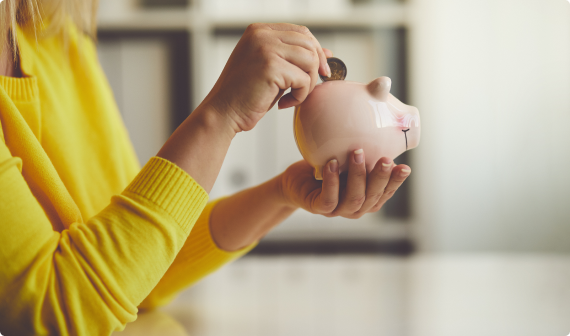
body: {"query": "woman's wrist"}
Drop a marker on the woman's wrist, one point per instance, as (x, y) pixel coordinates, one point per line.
(281, 196)
(217, 115)
(199, 144)
(244, 218)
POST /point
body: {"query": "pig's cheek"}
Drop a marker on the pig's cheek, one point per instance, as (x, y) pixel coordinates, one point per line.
(413, 137)
(393, 142)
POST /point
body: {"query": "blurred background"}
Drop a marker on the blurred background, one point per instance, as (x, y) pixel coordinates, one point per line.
(477, 242)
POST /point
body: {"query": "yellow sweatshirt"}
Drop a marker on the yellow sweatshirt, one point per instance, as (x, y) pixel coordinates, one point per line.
(86, 236)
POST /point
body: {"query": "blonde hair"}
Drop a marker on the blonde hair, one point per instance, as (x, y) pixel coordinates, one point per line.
(45, 17)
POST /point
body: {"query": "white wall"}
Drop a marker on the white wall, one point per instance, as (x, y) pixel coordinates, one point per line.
(492, 81)
(137, 71)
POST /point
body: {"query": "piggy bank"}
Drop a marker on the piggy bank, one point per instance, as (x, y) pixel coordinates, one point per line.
(339, 117)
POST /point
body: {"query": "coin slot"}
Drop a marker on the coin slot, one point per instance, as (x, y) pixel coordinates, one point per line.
(406, 136)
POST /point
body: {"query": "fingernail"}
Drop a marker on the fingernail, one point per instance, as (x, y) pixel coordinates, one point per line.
(386, 166)
(333, 166)
(405, 172)
(359, 155)
(328, 69)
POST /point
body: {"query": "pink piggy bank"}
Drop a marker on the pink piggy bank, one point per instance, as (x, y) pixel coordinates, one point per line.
(339, 117)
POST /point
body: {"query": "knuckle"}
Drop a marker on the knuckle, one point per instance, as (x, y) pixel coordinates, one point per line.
(304, 30)
(259, 36)
(310, 42)
(309, 56)
(315, 58)
(330, 183)
(270, 65)
(360, 172)
(355, 215)
(379, 174)
(389, 193)
(253, 27)
(374, 196)
(378, 206)
(328, 206)
(355, 201)
(307, 80)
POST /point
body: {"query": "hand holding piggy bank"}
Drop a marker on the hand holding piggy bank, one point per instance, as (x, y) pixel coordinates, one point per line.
(339, 117)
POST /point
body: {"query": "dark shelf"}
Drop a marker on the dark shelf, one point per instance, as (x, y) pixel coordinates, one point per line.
(333, 247)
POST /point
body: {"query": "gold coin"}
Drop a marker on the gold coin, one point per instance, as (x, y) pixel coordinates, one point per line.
(338, 70)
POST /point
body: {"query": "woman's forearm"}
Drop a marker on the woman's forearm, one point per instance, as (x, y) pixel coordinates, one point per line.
(247, 216)
(199, 145)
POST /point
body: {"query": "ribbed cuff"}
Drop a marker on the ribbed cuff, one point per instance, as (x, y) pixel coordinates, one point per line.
(20, 89)
(172, 189)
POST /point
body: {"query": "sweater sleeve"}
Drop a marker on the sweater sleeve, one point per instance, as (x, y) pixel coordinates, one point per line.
(90, 278)
(199, 257)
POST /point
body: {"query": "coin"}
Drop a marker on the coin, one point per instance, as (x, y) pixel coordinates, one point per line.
(338, 70)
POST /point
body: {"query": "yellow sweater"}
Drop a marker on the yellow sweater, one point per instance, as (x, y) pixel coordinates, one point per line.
(85, 235)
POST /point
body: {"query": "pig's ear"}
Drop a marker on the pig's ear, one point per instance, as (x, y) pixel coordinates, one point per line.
(380, 88)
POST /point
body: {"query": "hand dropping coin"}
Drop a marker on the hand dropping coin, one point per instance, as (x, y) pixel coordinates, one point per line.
(338, 70)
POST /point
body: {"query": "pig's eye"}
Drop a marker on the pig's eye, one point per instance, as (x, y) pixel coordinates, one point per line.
(406, 136)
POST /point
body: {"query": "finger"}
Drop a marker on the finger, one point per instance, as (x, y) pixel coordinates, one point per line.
(355, 192)
(298, 39)
(302, 40)
(399, 175)
(377, 181)
(328, 198)
(292, 77)
(324, 68)
(279, 95)
(303, 58)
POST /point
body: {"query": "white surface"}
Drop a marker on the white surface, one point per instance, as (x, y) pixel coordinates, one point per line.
(489, 294)
(153, 323)
(444, 295)
(297, 296)
(492, 81)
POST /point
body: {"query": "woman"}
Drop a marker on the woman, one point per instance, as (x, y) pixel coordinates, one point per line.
(87, 237)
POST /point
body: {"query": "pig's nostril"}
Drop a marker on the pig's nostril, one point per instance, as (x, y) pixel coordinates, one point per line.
(406, 136)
